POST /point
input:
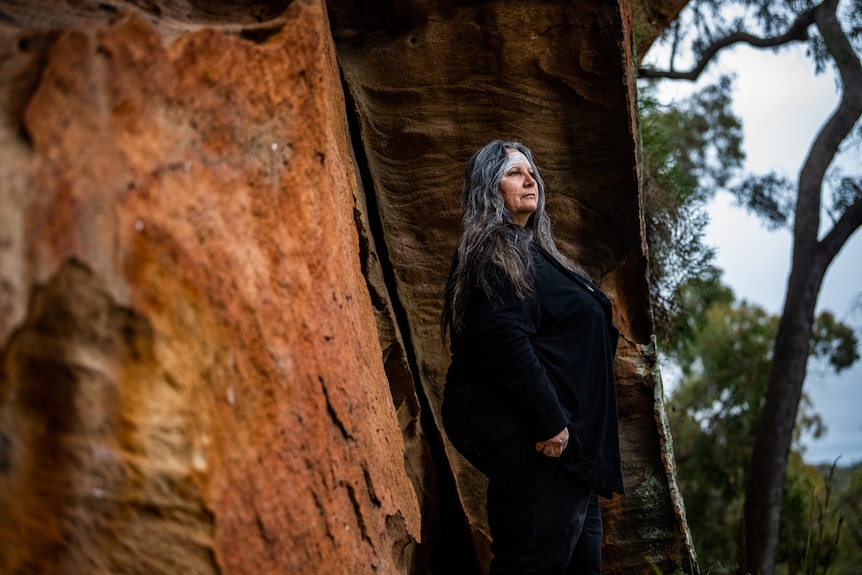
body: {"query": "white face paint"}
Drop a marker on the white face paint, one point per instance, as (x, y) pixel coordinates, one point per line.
(519, 188)
(514, 158)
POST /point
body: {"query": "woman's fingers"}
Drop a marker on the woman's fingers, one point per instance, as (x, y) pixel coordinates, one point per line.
(554, 446)
(554, 449)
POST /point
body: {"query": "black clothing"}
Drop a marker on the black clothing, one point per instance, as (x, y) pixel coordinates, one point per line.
(533, 367)
(543, 520)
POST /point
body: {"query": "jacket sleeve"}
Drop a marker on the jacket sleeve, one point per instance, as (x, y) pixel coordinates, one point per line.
(501, 328)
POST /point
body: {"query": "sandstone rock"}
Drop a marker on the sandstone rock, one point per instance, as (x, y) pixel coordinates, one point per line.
(192, 377)
(430, 86)
(220, 302)
(651, 18)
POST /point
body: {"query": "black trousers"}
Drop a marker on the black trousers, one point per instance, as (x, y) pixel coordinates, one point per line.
(542, 519)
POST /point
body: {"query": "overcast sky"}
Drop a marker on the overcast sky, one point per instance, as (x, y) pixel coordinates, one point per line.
(783, 104)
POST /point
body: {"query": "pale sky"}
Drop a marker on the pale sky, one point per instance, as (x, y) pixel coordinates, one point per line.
(782, 105)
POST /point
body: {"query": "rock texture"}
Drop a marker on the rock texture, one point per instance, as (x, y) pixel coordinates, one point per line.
(224, 233)
(432, 85)
(192, 380)
(651, 18)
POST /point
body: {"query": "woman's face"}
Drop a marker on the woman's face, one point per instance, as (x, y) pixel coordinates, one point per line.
(519, 189)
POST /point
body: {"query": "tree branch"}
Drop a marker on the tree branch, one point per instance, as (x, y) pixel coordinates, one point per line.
(849, 222)
(798, 32)
(828, 140)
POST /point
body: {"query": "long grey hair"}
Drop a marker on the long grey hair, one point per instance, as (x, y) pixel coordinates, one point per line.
(490, 236)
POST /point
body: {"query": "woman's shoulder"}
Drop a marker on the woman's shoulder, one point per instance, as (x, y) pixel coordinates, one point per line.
(551, 261)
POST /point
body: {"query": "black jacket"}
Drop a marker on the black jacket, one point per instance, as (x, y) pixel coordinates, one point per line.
(549, 361)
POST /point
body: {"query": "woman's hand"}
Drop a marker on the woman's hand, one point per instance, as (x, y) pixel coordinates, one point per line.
(554, 446)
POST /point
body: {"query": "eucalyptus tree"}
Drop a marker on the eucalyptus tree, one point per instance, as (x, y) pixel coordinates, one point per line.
(725, 364)
(821, 222)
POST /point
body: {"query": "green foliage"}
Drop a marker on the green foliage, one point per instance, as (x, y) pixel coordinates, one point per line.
(849, 497)
(772, 197)
(682, 146)
(845, 191)
(713, 412)
(834, 342)
(693, 147)
(692, 299)
(808, 544)
(827, 538)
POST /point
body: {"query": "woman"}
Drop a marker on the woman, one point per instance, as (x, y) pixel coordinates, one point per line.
(529, 396)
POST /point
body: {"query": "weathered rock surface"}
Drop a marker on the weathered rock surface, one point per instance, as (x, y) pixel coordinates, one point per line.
(651, 18)
(432, 85)
(219, 305)
(192, 378)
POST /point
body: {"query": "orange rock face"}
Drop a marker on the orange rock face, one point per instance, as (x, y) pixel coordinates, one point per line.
(192, 379)
(224, 233)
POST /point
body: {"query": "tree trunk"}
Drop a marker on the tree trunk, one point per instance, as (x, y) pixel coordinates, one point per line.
(774, 436)
(811, 258)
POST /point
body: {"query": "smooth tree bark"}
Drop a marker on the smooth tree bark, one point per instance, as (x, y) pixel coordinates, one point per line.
(811, 259)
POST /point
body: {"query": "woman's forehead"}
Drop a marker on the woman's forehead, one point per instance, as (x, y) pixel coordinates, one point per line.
(516, 156)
